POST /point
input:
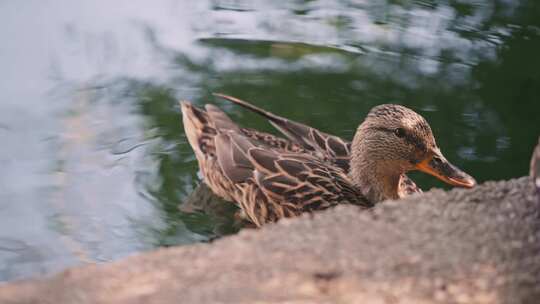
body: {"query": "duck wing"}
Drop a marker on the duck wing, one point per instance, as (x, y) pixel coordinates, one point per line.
(322, 145)
(268, 183)
(273, 184)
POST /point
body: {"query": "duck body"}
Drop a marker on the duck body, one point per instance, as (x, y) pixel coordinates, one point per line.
(267, 177)
(270, 177)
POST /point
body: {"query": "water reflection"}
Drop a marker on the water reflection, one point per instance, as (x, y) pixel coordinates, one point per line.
(95, 162)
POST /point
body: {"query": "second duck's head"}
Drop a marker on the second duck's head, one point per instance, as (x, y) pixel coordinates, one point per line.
(391, 141)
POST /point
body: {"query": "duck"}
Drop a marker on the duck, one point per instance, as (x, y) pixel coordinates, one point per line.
(535, 169)
(271, 177)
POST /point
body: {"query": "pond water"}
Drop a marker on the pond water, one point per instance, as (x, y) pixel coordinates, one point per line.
(94, 162)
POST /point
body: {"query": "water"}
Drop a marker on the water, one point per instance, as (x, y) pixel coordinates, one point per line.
(95, 164)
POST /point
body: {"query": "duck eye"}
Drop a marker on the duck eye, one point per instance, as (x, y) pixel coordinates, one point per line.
(399, 132)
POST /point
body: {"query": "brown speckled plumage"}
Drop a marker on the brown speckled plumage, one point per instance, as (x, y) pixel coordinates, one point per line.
(270, 177)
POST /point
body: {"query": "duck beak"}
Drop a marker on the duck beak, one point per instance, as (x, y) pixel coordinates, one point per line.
(438, 166)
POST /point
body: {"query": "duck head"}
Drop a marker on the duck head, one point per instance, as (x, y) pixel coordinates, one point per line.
(391, 141)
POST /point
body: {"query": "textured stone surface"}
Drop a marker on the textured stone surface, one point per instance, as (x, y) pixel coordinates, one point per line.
(463, 246)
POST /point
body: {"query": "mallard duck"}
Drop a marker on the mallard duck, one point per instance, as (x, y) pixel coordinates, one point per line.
(270, 177)
(535, 168)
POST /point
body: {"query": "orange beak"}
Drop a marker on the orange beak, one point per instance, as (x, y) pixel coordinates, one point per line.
(438, 166)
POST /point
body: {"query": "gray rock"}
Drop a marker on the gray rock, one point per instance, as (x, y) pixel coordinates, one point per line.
(463, 246)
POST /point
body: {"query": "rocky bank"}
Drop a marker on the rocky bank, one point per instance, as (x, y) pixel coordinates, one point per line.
(462, 246)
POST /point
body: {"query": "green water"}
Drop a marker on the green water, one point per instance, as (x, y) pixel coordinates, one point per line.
(95, 164)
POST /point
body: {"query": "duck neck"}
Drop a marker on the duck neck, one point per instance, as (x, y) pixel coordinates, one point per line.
(373, 174)
(376, 183)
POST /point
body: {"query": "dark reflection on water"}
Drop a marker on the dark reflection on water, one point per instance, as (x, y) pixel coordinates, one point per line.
(95, 164)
